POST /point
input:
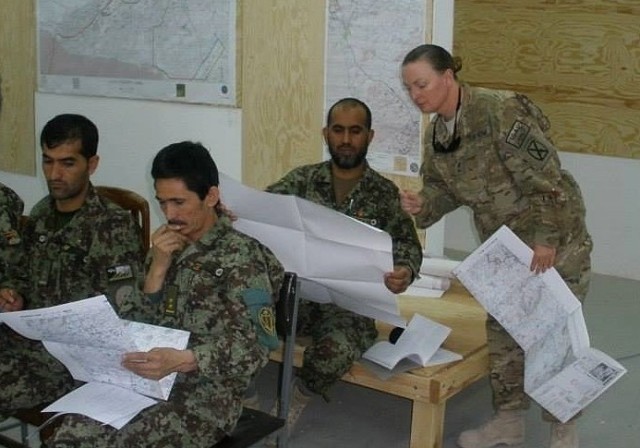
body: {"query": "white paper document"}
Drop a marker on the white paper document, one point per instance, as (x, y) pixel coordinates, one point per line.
(338, 259)
(419, 345)
(544, 317)
(89, 338)
(438, 267)
(105, 403)
(428, 286)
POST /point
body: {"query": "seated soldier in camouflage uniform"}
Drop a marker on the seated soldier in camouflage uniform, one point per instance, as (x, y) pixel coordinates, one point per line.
(348, 184)
(11, 208)
(205, 277)
(72, 241)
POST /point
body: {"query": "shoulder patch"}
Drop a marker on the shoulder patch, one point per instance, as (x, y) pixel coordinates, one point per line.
(537, 150)
(518, 134)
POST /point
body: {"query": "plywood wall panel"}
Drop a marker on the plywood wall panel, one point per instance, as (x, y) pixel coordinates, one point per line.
(18, 74)
(282, 87)
(579, 60)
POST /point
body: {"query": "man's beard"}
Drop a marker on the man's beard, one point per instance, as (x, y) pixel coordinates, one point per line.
(348, 161)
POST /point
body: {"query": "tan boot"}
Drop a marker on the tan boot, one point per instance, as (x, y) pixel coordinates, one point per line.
(506, 427)
(564, 435)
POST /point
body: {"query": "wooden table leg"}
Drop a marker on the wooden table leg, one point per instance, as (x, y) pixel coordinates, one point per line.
(427, 425)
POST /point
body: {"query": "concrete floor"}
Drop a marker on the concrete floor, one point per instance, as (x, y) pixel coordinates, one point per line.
(357, 417)
(363, 418)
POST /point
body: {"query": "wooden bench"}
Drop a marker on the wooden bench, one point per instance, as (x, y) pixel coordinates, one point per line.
(430, 388)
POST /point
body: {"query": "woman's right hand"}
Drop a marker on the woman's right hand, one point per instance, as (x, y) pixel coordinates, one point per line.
(411, 202)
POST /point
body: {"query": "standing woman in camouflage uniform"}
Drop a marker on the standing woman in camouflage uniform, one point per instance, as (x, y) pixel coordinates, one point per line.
(490, 150)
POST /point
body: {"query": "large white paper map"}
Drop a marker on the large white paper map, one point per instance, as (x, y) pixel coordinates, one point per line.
(562, 372)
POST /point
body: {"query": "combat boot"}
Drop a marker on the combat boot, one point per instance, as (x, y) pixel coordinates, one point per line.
(564, 435)
(506, 427)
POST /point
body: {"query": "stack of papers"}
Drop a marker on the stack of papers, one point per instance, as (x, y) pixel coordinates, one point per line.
(562, 372)
(89, 338)
(435, 278)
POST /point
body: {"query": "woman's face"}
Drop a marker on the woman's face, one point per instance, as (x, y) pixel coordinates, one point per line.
(427, 88)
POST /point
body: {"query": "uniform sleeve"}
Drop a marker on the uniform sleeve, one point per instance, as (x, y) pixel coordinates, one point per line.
(141, 307)
(438, 201)
(227, 343)
(407, 250)
(11, 245)
(292, 183)
(532, 159)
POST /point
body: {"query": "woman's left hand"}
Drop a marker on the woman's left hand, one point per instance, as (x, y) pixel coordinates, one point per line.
(544, 257)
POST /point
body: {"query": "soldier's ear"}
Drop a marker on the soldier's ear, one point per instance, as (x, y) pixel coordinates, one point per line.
(371, 134)
(212, 198)
(92, 163)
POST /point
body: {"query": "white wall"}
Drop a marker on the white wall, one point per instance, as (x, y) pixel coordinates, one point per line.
(610, 187)
(131, 133)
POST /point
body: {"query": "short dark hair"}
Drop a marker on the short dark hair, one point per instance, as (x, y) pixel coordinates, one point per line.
(70, 127)
(439, 58)
(189, 162)
(351, 102)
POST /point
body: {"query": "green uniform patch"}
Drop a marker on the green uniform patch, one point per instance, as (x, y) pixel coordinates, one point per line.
(258, 302)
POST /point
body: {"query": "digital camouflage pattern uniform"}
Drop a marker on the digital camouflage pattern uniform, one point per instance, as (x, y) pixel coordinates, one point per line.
(205, 292)
(11, 208)
(508, 172)
(339, 337)
(97, 252)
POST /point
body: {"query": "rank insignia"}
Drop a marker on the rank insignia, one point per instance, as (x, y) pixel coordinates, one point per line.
(171, 301)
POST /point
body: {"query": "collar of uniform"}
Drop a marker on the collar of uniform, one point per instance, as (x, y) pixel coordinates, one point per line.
(222, 226)
(324, 175)
(92, 201)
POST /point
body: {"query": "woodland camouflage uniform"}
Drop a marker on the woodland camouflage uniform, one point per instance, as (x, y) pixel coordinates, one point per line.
(339, 337)
(99, 251)
(206, 291)
(11, 208)
(507, 171)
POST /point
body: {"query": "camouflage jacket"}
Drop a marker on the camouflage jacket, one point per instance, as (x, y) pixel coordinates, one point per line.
(97, 252)
(206, 291)
(375, 200)
(11, 208)
(506, 170)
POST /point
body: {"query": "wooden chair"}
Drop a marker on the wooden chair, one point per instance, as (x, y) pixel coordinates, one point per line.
(136, 204)
(254, 425)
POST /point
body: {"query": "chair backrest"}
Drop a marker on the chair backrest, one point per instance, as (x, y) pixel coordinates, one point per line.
(253, 425)
(136, 204)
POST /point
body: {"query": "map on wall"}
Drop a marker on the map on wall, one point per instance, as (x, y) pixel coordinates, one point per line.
(366, 42)
(171, 50)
